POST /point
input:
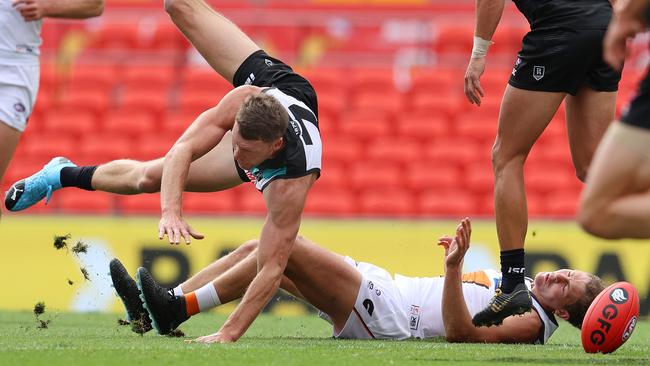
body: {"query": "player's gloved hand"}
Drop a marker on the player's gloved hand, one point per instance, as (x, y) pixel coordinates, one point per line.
(473, 89)
(456, 248)
(30, 9)
(622, 27)
(175, 227)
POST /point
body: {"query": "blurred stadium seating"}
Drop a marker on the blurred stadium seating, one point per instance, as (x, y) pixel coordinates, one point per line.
(399, 137)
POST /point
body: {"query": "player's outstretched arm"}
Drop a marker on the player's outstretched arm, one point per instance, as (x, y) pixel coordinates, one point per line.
(285, 199)
(202, 136)
(488, 15)
(74, 9)
(456, 316)
(630, 18)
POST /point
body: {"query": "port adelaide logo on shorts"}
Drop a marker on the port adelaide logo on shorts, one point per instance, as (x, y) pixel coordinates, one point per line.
(19, 107)
(538, 72)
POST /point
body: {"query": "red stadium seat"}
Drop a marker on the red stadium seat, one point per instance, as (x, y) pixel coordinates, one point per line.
(166, 36)
(332, 201)
(448, 203)
(436, 81)
(563, 203)
(543, 179)
(93, 78)
(74, 200)
(334, 176)
(148, 78)
(442, 105)
(148, 204)
(96, 102)
(78, 124)
(149, 147)
(341, 150)
(479, 177)
(104, 148)
(325, 79)
(422, 127)
(209, 203)
(365, 176)
(431, 176)
(120, 34)
(392, 150)
(455, 38)
(145, 101)
(459, 151)
(176, 123)
(204, 80)
(363, 79)
(387, 202)
(364, 124)
(199, 101)
(332, 103)
(44, 147)
(477, 126)
(251, 200)
(130, 123)
(389, 101)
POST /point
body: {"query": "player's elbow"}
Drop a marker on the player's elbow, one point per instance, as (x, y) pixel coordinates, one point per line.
(457, 337)
(98, 8)
(176, 7)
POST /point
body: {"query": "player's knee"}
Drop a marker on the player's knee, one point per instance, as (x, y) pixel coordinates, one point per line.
(595, 221)
(149, 181)
(501, 158)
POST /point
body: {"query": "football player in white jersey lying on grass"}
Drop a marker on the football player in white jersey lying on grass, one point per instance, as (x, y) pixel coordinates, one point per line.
(363, 301)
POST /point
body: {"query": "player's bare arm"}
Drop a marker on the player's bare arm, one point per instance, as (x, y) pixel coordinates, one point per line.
(455, 314)
(285, 199)
(488, 15)
(202, 136)
(75, 9)
(627, 21)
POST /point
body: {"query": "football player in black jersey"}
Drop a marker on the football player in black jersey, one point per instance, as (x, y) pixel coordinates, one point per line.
(560, 60)
(265, 130)
(616, 203)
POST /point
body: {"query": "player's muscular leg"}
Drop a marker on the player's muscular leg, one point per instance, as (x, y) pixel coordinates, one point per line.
(217, 39)
(524, 115)
(616, 200)
(212, 172)
(324, 279)
(9, 138)
(588, 114)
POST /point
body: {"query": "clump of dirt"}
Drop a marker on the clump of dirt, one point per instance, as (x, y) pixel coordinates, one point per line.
(122, 322)
(139, 326)
(60, 241)
(176, 333)
(84, 272)
(70, 282)
(39, 309)
(80, 247)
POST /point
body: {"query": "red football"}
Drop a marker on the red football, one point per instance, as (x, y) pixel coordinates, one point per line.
(611, 318)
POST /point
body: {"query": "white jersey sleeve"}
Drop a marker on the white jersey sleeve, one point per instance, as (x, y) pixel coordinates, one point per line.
(20, 41)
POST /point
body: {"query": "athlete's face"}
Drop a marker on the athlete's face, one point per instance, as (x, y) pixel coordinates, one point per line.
(558, 289)
(250, 153)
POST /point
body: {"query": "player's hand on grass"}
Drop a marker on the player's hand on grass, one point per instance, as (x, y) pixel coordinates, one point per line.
(175, 227)
(473, 89)
(622, 27)
(30, 10)
(214, 338)
(456, 248)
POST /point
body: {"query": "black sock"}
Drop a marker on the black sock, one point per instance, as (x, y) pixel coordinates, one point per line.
(512, 269)
(79, 177)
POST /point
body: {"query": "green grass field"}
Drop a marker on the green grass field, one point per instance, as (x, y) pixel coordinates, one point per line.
(97, 339)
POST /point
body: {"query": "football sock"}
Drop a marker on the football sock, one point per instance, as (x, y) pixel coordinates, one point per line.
(512, 269)
(201, 300)
(79, 177)
(177, 291)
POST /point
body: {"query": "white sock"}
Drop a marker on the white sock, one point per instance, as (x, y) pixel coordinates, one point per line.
(178, 291)
(207, 297)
